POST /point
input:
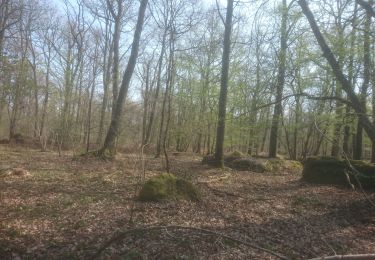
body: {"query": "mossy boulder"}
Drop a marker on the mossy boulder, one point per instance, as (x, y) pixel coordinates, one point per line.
(247, 164)
(228, 158)
(168, 187)
(274, 165)
(329, 170)
(280, 165)
(238, 161)
(294, 166)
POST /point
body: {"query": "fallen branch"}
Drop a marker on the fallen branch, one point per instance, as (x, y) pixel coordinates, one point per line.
(347, 257)
(123, 234)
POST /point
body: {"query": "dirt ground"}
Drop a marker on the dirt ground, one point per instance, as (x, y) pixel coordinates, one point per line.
(69, 207)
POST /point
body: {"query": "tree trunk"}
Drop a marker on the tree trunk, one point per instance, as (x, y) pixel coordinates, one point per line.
(358, 149)
(280, 83)
(114, 128)
(107, 60)
(351, 79)
(158, 85)
(356, 104)
(116, 58)
(220, 130)
(145, 102)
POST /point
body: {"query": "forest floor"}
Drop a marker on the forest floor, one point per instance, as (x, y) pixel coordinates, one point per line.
(68, 208)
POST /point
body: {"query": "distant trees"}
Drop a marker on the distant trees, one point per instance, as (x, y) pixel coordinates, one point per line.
(355, 101)
(265, 89)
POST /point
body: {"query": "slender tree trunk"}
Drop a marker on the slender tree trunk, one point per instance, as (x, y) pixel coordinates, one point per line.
(277, 113)
(116, 58)
(94, 72)
(358, 150)
(158, 85)
(220, 130)
(161, 128)
(348, 117)
(170, 84)
(346, 85)
(46, 95)
(146, 102)
(107, 60)
(114, 128)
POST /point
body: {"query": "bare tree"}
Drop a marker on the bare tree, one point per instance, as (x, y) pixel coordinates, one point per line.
(108, 148)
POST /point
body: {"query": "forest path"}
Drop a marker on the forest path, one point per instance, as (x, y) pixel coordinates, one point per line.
(68, 207)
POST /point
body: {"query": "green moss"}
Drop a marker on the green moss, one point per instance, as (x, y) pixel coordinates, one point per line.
(186, 190)
(274, 165)
(329, 170)
(228, 158)
(168, 187)
(280, 165)
(247, 164)
(295, 166)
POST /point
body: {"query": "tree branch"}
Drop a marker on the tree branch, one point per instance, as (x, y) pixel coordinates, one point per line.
(123, 234)
(365, 5)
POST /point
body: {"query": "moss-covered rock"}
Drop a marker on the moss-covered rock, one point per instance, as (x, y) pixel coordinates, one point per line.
(228, 158)
(238, 161)
(329, 170)
(274, 165)
(247, 164)
(280, 165)
(168, 187)
(294, 166)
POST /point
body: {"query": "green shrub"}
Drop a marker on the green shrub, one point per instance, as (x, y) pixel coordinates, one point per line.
(329, 170)
(168, 187)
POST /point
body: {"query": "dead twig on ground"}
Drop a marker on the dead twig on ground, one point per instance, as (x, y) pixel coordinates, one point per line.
(123, 234)
(347, 257)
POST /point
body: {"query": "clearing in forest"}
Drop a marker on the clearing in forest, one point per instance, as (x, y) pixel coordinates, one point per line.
(68, 208)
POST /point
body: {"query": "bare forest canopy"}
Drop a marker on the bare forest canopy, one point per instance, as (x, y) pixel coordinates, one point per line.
(289, 78)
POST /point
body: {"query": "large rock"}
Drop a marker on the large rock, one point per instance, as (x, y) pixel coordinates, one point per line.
(238, 161)
(168, 187)
(329, 170)
(247, 164)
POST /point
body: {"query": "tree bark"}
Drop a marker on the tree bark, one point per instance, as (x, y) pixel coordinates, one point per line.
(358, 149)
(114, 128)
(280, 83)
(220, 130)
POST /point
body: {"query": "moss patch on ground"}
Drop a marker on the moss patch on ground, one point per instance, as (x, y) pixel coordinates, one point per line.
(329, 170)
(168, 187)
